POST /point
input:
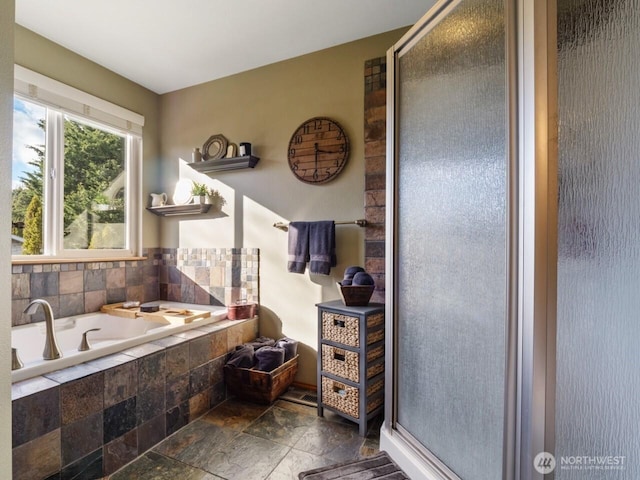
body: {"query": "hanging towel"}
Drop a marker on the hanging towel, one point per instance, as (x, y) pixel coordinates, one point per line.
(322, 247)
(298, 251)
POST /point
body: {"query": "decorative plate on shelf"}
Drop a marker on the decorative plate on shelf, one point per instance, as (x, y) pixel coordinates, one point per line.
(182, 193)
(215, 148)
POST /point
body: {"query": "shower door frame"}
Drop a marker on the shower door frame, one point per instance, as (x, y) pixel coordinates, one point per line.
(531, 251)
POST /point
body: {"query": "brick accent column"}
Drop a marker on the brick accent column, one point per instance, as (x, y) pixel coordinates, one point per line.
(375, 116)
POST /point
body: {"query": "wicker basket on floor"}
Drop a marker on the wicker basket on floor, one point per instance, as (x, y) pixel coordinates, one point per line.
(258, 386)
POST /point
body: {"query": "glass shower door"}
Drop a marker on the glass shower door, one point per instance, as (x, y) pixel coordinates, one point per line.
(450, 275)
(598, 330)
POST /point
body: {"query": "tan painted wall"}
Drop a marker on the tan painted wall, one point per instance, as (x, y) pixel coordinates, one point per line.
(6, 127)
(43, 56)
(264, 106)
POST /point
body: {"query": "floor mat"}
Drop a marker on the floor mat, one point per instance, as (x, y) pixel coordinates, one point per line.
(379, 467)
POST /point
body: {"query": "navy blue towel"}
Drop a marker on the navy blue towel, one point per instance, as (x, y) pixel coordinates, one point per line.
(290, 347)
(269, 358)
(262, 342)
(298, 249)
(322, 247)
(242, 357)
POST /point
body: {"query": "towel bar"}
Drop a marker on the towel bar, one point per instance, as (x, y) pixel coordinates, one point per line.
(361, 223)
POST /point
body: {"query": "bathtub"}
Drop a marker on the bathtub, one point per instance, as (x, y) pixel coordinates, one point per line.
(116, 334)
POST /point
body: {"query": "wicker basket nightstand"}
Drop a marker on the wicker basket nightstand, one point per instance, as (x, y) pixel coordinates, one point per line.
(351, 361)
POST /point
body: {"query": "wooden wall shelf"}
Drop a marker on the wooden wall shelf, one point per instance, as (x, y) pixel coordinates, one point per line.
(225, 164)
(189, 209)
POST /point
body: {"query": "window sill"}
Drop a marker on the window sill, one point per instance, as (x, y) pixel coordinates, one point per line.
(50, 260)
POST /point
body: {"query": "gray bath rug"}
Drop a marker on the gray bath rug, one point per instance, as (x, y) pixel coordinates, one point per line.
(379, 466)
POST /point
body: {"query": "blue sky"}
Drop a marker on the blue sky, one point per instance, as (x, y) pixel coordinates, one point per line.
(25, 132)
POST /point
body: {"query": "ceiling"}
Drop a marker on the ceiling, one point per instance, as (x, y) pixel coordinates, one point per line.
(166, 45)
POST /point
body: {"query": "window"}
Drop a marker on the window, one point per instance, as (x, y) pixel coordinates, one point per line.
(75, 179)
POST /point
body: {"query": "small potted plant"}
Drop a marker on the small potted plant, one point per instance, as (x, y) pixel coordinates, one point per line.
(199, 192)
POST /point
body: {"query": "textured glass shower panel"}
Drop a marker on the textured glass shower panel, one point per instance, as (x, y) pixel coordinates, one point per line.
(451, 211)
(598, 325)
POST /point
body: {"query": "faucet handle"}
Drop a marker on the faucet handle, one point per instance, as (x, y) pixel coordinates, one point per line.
(84, 344)
(16, 363)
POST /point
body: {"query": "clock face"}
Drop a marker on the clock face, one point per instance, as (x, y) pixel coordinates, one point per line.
(318, 150)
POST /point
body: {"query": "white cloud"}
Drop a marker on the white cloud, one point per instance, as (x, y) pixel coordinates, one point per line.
(25, 132)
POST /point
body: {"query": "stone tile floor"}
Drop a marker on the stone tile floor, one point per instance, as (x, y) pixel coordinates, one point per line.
(246, 441)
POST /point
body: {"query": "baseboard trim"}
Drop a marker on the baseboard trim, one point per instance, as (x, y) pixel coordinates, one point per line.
(305, 386)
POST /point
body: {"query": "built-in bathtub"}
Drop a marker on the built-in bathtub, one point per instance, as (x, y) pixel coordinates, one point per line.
(89, 420)
(115, 334)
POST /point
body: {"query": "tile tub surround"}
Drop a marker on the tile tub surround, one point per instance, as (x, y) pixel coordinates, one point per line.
(215, 276)
(82, 287)
(206, 276)
(89, 420)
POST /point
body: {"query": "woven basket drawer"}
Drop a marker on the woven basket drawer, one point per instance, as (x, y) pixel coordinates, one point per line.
(346, 398)
(375, 336)
(340, 328)
(375, 368)
(375, 320)
(346, 364)
(341, 362)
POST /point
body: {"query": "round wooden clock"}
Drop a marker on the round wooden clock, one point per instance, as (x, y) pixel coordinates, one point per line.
(318, 150)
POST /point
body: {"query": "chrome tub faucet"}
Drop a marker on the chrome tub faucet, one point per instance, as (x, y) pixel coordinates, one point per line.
(51, 349)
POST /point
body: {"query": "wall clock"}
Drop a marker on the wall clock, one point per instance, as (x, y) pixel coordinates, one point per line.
(318, 150)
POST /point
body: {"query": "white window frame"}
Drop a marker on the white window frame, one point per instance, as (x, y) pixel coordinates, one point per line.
(63, 100)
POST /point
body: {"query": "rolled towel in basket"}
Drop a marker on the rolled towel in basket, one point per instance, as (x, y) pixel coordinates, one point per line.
(290, 347)
(262, 342)
(269, 358)
(242, 357)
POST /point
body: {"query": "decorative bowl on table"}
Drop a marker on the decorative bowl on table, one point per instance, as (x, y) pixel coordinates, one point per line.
(355, 295)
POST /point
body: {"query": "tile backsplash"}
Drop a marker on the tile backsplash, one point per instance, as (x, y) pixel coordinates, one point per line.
(216, 276)
(205, 276)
